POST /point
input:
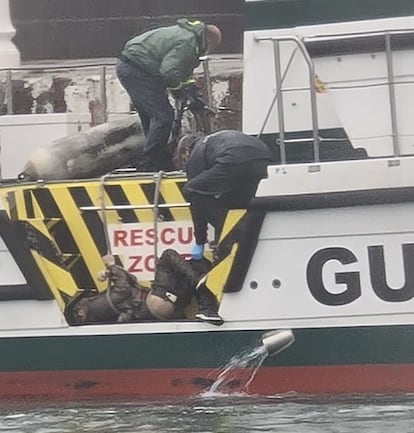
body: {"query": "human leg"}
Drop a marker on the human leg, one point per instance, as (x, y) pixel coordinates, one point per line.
(150, 99)
(247, 176)
(206, 209)
(207, 306)
(208, 193)
(145, 120)
(153, 105)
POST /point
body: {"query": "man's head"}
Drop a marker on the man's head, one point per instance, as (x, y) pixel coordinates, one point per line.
(184, 148)
(109, 260)
(213, 38)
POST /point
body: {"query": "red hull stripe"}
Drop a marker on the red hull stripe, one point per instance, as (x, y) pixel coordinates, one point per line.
(83, 384)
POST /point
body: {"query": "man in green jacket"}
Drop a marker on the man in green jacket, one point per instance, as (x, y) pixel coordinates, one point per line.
(154, 61)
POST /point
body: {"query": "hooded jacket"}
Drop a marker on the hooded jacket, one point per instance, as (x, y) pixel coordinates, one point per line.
(216, 168)
(169, 52)
(225, 147)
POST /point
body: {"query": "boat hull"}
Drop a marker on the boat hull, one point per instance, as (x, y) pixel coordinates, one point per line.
(269, 381)
(376, 359)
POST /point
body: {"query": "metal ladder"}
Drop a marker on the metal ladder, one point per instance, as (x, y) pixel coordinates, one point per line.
(155, 206)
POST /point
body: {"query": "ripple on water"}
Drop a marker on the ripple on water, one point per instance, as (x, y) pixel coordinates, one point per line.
(218, 414)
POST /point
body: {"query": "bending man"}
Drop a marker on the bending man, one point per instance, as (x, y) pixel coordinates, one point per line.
(223, 170)
(151, 62)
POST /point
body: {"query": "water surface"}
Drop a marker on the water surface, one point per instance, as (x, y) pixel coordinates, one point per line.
(216, 414)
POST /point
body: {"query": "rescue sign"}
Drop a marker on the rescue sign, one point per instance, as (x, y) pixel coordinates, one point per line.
(135, 243)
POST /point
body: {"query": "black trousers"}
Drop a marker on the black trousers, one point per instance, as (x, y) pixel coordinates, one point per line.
(223, 187)
(150, 99)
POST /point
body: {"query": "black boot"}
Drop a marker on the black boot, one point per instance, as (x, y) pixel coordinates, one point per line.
(207, 306)
(146, 165)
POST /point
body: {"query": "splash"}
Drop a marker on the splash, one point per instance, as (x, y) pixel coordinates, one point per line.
(236, 376)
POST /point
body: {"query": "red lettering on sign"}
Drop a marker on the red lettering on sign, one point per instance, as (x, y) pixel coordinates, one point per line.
(136, 238)
(167, 236)
(149, 263)
(134, 265)
(139, 237)
(141, 263)
(182, 239)
(150, 235)
(120, 238)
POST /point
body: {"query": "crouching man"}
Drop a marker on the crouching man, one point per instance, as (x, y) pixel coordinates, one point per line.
(125, 300)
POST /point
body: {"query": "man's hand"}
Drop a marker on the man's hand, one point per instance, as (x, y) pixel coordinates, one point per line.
(102, 275)
(190, 95)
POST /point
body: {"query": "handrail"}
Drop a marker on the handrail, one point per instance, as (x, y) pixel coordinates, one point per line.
(102, 66)
(135, 207)
(155, 207)
(76, 64)
(356, 35)
(391, 91)
(102, 72)
(300, 43)
(276, 40)
(269, 112)
(54, 66)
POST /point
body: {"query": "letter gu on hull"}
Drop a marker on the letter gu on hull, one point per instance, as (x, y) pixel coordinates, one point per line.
(352, 280)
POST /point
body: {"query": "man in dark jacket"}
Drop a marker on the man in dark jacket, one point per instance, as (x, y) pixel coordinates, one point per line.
(154, 61)
(223, 170)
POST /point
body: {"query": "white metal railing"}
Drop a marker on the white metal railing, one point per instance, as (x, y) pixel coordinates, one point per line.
(155, 207)
(301, 46)
(276, 41)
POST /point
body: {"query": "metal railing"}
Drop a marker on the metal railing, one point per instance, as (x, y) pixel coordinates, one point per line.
(155, 207)
(103, 68)
(300, 44)
(276, 41)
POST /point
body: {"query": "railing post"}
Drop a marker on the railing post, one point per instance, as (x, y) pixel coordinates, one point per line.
(157, 179)
(206, 70)
(9, 91)
(279, 80)
(9, 54)
(391, 90)
(280, 107)
(103, 96)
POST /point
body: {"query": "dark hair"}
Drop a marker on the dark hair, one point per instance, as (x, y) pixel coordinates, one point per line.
(184, 147)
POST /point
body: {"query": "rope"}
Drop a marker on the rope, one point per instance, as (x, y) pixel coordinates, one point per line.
(109, 300)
